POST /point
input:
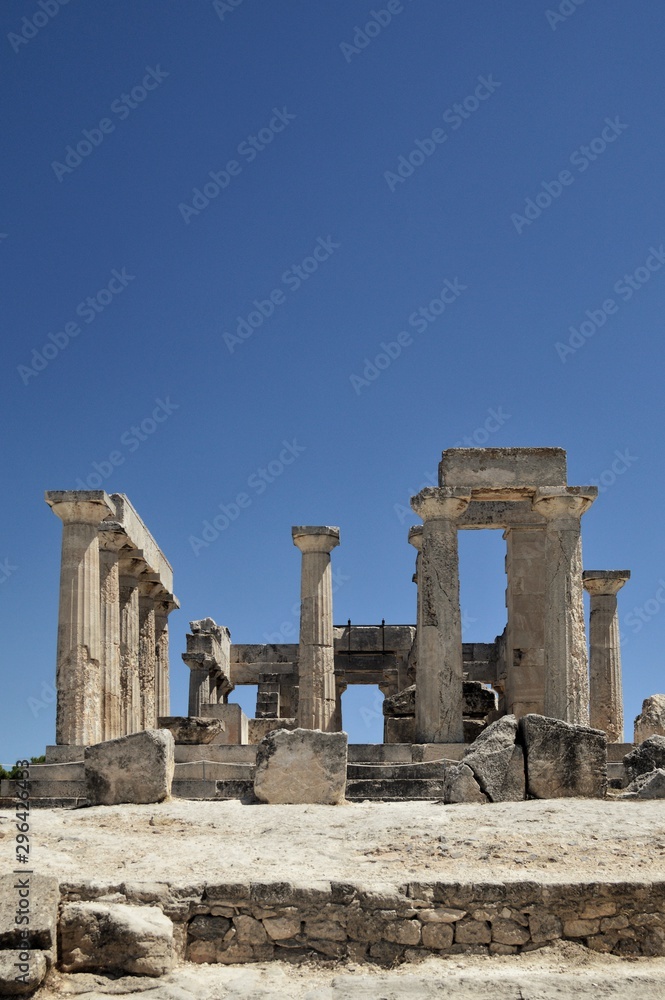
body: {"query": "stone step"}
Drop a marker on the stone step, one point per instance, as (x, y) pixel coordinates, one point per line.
(395, 771)
(57, 789)
(236, 754)
(210, 770)
(228, 789)
(395, 789)
(74, 771)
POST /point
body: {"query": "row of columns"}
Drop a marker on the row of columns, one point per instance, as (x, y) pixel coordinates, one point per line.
(567, 692)
(112, 670)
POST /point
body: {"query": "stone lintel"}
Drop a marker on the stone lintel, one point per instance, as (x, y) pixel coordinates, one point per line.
(315, 538)
(601, 582)
(502, 514)
(495, 467)
(140, 538)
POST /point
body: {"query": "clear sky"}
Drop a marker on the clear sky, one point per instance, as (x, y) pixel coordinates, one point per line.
(362, 232)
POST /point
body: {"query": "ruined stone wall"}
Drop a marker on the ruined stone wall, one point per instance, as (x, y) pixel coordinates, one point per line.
(234, 923)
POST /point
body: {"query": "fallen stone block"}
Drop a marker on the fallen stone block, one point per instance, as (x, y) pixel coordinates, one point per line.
(651, 720)
(137, 768)
(647, 786)
(117, 938)
(563, 760)
(648, 756)
(497, 763)
(461, 786)
(191, 729)
(21, 972)
(302, 766)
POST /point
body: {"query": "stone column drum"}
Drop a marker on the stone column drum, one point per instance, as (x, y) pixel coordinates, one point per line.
(317, 701)
(79, 680)
(606, 696)
(566, 663)
(439, 673)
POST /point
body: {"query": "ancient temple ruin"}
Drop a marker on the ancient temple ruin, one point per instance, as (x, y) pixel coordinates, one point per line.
(116, 594)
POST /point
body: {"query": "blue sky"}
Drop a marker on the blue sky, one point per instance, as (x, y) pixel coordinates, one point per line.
(350, 167)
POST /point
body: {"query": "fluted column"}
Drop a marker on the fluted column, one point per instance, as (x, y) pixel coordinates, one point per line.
(566, 664)
(110, 626)
(439, 673)
(79, 652)
(147, 657)
(317, 701)
(606, 697)
(163, 698)
(130, 697)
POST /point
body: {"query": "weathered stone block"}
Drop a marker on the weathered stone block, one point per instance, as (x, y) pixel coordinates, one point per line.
(19, 978)
(509, 932)
(472, 932)
(191, 729)
(648, 756)
(43, 896)
(497, 763)
(647, 786)
(563, 760)
(301, 766)
(114, 937)
(249, 930)
(437, 936)
(282, 928)
(651, 720)
(461, 785)
(136, 768)
(493, 468)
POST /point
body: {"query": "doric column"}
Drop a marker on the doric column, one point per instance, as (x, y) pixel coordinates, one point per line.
(110, 624)
(147, 656)
(606, 698)
(163, 608)
(130, 696)
(208, 657)
(79, 652)
(316, 704)
(340, 687)
(566, 665)
(439, 673)
(416, 539)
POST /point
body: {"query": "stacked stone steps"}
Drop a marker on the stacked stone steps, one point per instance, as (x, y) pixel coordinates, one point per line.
(213, 779)
(398, 772)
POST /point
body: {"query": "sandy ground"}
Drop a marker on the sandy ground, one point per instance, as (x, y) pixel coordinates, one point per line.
(187, 842)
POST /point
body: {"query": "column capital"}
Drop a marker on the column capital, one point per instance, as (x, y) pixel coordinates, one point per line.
(416, 536)
(441, 502)
(604, 582)
(80, 506)
(561, 503)
(315, 538)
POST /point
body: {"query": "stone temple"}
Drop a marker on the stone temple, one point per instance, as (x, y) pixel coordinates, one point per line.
(116, 593)
(535, 714)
